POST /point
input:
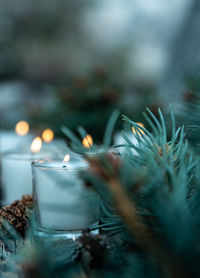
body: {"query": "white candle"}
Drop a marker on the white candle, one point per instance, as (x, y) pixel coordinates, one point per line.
(61, 201)
(10, 140)
(16, 176)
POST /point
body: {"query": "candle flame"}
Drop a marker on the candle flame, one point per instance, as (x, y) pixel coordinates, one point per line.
(135, 131)
(22, 128)
(66, 158)
(36, 144)
(48, 135)
(87, 141)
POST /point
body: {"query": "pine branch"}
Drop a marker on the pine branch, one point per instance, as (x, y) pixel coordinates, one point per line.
(128, 211)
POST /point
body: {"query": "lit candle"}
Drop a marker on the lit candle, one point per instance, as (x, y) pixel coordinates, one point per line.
(61, 201)
(16, 176)
(87, 141)
(91, 149)
(10, 139)
(48, 135)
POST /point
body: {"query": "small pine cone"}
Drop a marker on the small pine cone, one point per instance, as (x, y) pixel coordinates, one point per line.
(17, 214)
(96, 246)
(27, 200)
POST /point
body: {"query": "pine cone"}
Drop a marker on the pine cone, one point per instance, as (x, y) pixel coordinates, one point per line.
(96, 246)
(27, 200)
(17, 214)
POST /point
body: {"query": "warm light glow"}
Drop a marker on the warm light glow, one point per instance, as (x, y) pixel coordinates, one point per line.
(87, 141)
(36, 144)
(22, 128)
(48, 135)
(66, 158)
(134, 130)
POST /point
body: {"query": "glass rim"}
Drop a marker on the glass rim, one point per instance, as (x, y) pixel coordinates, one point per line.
(50, 164)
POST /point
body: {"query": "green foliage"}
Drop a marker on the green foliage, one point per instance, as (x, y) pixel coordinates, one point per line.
(162, 182)
(150, 207)
(84, 100)
(188, 111)
(77, 145)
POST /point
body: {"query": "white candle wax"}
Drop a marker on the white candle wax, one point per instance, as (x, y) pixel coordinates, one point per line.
(10, 140)
(16, 175)
(61, 200)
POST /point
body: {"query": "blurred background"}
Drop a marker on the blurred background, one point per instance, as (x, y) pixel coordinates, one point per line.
(71, 63)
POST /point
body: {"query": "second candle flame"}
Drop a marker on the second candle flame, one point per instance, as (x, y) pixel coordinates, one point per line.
(36, 145)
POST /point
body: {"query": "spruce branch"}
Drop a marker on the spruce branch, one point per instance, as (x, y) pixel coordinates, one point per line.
(128, 211)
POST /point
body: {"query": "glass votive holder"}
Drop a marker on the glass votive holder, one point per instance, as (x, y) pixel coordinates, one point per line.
(16, 173)
(63, 205)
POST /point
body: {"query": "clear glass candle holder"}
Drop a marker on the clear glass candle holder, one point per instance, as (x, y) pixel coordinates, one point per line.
(63, 205)
(16, 173)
